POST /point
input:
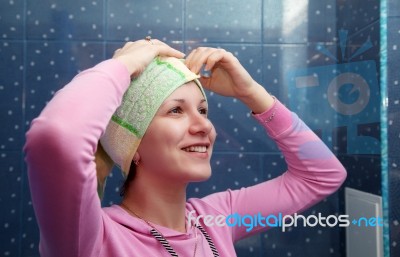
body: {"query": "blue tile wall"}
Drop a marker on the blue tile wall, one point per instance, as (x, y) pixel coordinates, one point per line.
(318, 241)
(223, 21)
(12, 20)
(50, 65)
(299, 21)
(132, 20)
(64, 20)
(356, 15)
(394, 196)
(11, 95)
(43, 44)
(393, 8)
(393, 92)
(10, 200)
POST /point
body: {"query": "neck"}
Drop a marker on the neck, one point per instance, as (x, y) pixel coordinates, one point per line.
(157, 202)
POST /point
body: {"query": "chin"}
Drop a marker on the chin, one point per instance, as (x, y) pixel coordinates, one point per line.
(201, 176)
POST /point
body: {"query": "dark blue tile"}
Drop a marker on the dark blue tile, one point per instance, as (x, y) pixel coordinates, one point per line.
(29, 229)
(363, 172)
(275, 41)
(11, 95)
(65, 20)
(10, 200)
(393, 89)
(299, 242)
(356, 15)
(11, 20)
(273, 165)
(235, 127)
(364, 44)
(250, 246)
(229, 171)
(50, 66)
(223, 21)
(113, 188)
(132, 20)
(299, 21)
(394, 204)
(315, 241)
(393, 122)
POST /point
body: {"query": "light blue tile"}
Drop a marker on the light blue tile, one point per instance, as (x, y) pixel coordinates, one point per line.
(50, 66)
(135, 19)
(223, 21)
(11, 95)
(291, 21)
(65, 20)
(393, 8)
(281, 62)
(113, 46)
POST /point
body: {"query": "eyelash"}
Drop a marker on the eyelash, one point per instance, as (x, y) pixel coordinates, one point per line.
(176, 110)
(173, 110)
(203, 111)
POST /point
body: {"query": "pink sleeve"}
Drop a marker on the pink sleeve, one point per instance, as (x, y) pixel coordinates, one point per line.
(313, 174)
(60, 147)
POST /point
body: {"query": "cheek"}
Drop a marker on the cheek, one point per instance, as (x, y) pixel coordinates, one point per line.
(213, 134)
(161, 136)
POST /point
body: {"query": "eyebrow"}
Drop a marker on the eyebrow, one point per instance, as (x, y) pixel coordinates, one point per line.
(180, 100)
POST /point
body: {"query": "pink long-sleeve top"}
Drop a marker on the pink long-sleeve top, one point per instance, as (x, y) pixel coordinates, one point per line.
(60, 150)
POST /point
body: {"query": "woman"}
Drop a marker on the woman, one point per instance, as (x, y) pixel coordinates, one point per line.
(162, 140)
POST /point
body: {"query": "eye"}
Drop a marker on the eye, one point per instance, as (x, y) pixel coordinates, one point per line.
(203, 111)
(175, 110)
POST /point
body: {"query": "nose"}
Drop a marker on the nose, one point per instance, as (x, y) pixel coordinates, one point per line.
(200, 124)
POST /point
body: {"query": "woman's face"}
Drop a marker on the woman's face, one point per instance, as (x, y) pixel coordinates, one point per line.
(178, 143)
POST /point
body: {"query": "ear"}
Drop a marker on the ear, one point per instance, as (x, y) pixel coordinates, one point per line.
(136, 157)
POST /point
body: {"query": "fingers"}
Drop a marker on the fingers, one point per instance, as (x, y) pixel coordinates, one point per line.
(206, 57)
(138, 54)
(154, 46)
(165, 50)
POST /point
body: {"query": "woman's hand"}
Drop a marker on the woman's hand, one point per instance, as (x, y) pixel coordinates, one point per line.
(137, 55)
(228, 77)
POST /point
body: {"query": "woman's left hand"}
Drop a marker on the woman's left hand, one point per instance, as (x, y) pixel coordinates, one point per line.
(228, 77)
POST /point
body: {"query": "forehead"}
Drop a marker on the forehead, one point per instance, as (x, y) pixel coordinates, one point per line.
(189, 90)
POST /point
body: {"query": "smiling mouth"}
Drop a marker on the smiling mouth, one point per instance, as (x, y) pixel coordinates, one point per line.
(195, 149)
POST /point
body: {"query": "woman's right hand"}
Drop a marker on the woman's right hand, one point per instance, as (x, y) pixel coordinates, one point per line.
(138, 54)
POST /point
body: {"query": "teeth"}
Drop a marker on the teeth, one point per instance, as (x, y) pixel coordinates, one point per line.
(199, 149)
